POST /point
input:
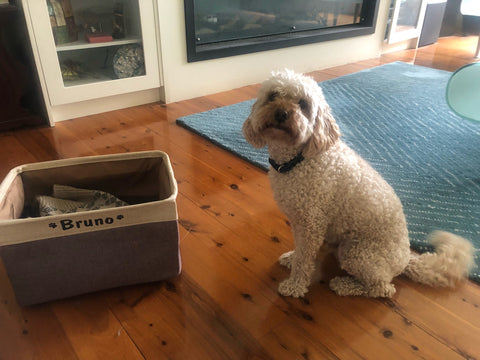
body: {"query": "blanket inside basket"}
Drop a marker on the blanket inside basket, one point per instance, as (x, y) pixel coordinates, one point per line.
(68, 199)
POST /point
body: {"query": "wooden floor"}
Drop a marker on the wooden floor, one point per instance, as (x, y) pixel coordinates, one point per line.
(225, 303)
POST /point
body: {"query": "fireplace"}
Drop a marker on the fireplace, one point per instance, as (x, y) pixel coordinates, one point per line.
(221, 28)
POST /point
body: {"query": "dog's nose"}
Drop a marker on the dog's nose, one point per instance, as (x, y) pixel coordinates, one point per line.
(280, 115)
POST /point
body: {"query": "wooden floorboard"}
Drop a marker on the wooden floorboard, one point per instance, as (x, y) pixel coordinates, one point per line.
(225, 303)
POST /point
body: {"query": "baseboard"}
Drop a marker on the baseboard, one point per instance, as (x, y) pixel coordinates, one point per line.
(103, 104)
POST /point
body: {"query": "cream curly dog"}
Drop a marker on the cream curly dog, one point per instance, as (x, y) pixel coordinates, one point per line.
(336, 201)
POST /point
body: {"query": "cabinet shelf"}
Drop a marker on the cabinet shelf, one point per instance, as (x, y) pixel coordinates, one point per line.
(83, 44)
(100, 75)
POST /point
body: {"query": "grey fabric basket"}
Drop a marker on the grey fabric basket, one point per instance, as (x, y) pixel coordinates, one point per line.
(60, 256)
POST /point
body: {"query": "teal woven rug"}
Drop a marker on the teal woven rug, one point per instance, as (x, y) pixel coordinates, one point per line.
(396, 117)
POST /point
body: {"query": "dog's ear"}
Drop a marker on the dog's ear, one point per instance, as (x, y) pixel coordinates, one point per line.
(251, 135)
(325, 132)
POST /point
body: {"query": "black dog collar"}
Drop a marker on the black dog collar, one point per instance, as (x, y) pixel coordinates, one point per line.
(287, 166)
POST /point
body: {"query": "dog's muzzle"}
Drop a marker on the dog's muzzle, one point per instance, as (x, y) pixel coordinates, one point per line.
(281, 116)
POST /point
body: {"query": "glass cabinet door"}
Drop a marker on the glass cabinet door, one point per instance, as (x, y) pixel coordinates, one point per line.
(95, 48)
(406, 19)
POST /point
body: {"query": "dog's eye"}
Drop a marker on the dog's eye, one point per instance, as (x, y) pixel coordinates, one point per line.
(272, 96)
(303, 104)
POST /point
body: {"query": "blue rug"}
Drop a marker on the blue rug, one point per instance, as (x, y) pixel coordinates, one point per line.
(396, 117)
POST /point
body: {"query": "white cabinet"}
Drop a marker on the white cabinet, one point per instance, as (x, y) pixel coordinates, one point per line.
(79, 71)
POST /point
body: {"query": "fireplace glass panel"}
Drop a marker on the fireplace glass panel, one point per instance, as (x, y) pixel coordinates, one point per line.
(219, 28)
(226, 20)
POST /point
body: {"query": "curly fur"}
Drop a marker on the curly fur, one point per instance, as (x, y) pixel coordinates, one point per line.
(334, 199)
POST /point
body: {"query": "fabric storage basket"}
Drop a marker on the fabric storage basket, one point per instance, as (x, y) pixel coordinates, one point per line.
(59, 256)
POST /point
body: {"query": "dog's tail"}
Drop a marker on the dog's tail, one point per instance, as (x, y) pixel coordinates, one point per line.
(451, 261)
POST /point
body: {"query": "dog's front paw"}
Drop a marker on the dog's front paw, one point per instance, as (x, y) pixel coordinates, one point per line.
(292, 288)
(286, 259)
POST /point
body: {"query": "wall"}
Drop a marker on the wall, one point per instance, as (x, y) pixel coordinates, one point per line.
(184, 80)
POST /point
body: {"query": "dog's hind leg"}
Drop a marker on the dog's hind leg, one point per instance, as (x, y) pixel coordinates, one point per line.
(349, 286)
(371, 269)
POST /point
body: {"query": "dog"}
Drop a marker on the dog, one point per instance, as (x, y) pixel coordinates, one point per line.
(335, 201)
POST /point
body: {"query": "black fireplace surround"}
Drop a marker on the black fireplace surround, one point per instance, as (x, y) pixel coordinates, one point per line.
(221, 28)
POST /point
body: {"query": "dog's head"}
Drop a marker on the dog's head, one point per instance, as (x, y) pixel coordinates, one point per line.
(291, 111)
